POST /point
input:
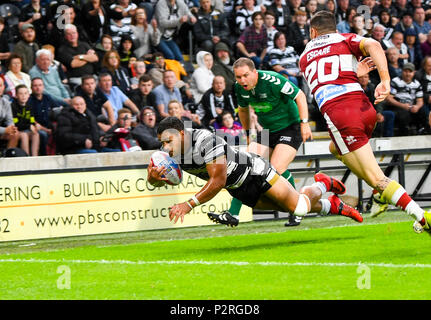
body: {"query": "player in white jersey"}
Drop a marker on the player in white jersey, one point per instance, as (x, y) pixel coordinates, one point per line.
(329, 64)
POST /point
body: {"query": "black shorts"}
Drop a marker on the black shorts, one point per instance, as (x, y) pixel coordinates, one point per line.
(290, 135)
(256, 183)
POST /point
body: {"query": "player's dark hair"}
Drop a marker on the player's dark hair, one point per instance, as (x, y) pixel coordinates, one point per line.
(324, 22)
(170, 123)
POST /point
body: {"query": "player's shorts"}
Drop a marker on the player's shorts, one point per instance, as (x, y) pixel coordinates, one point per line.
(261, 178)
(290, 135)
(351, 119)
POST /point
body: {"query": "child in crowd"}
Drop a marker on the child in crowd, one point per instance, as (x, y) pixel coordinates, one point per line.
(232, 131)
(24, 120)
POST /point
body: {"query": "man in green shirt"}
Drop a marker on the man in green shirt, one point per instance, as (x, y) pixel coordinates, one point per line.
(282, 110)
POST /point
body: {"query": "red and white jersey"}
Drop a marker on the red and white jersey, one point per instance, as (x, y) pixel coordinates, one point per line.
(329, 63)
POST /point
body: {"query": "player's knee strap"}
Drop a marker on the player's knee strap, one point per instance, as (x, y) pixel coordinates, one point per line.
(302, 205)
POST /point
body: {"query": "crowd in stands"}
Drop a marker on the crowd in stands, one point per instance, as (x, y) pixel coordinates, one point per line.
(86, 76)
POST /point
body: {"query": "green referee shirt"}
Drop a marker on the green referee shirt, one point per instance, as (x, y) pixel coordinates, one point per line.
(273, 100)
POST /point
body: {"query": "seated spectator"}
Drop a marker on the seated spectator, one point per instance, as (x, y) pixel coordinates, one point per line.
(405, 23)
(421, 26)
(230, 130)
(223, 65)
(77, 129)
(115, 96)
(211, 27)
(253, 41)
(4, 46)
(394, 66)
(36, 14)
(120, 76)
(406, 100)
(310, 8)
(202, 77)
(102, 47)
(215, 101)
(138, 69)
(110, 139)
(23, 118)
(125, 9)
(42, 106)
(176, 109)
(170, 16)
(414, 49)
(397, 41)
(77, 56)
(283, 16)
(8, 131)
(55, 64)
(27, 47)
(160, 65)
(284, 60)
(423, 75)
(146, 35)
(96, 102)
(244, 15)
(298, 33)
(118, 29)
(358, 26)
(15, 77)
(51, 79)
(126, 52)
(143, 95)
(345, 26)
(270, 29)
(166, 92)
(386, 20)
(96, 19)
(426, 46)
(385, 118)
(146, 130)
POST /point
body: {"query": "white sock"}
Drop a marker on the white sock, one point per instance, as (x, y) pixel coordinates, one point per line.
(326, 206)
(321, 186)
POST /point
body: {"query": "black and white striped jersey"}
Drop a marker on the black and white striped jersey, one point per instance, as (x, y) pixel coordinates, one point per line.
(406, 92)
(206, 147)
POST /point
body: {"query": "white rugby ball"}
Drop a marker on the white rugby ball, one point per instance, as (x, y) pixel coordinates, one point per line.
(174, 174)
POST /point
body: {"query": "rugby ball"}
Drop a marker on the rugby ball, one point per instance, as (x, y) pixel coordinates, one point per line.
(174, 174)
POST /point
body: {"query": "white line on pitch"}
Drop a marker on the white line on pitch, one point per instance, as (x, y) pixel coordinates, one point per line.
(233, 263)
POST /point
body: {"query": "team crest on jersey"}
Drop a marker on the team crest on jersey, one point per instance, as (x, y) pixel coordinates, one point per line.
(350, 140)
(287, 88)
(263, 96)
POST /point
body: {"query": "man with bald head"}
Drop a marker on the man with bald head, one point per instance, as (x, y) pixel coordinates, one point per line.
(77, 131)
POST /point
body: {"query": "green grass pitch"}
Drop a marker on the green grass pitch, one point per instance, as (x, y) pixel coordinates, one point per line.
(323, 258)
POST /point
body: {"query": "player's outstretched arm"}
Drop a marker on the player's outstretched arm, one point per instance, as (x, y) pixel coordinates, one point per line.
(377, 54)
(217, 171)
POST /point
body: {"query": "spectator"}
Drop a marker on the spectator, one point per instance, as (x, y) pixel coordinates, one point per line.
(345, 26)
(270, 29)
(106, 44)
(4, 46)
(294, 5)
(166, 92)
(202, 77)
(299, 32)
(341, 13)
(406, 23)
(126, 10)
(115, 96)
(284, 60)
(378, 32)
(77, 130)
(394, 66)
(146, 130)
(15, 77)
(386, 20)
(146, 35)
(385, 118)
(311, 8)
(214, 102)
(42, 106)
(397, 41)
(331, 7)
(426, 46)
(401, 6)
(37, 15)
(211, 27)
(244, 16)
(170, 15)
(96, 19)
(423, 75)
(23, 118)
(160, 65)
(126, 52)
(96, 102)
(110, 140)
(406, 100)
(120, 77)
(223, 65)
(52, 83)
(414, 49)
(8, 131)
(358, 26)
(230, 130)
(422, 26)
(176, 109)
(138, 69)
(386, 4)
(253, 41)
(27, 47)
(77, 56)
(413, 4)
(283, 16)
(143, 95)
